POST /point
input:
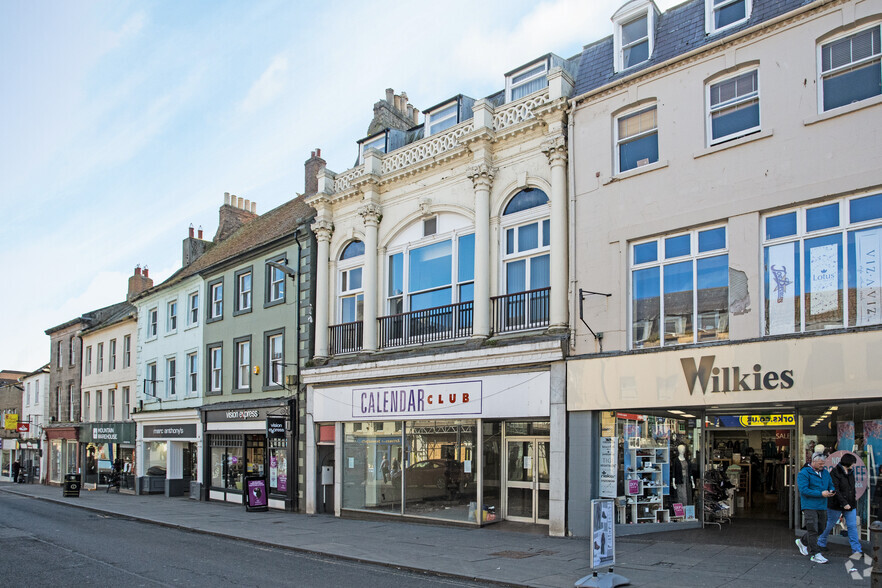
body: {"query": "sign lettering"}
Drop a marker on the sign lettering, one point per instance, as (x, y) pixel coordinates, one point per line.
(731, 379)
(460, 398)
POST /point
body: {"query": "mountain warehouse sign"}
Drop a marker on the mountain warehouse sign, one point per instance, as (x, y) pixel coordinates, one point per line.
(708, 377)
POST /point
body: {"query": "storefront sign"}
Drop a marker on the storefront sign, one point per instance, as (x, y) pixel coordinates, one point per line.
(436, 399)
(608, 467)
(255, 496)
(603, 546)
(23, 428)
(275, 427)
(226, 416)
(756, 420)
(10, 422)
(183, 431)
(861, 474)
(731, 379)
(110, 433)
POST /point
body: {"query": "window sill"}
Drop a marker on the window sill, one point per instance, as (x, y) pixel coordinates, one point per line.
(636, 171)
(848, 109)
(170, 333)
(243, 311)
(214, 393)
(192, 326)
(150, 338)
(272, 388)
(733, 143)
(242, 391)
(214, 319)
(273, 302)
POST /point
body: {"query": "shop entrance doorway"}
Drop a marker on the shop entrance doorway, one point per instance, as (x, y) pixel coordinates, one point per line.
(527, 481)
(757, 460)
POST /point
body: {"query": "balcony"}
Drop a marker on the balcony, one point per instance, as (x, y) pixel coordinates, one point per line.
(520, 312)
(346, 338)
(443, 323)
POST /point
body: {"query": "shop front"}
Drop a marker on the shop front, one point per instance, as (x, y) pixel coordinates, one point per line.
(256, 440)
(103, 447)
(8, 454)
(63, 448)
(470, 451)
(699, 436)
(169, 446)
(30, 457)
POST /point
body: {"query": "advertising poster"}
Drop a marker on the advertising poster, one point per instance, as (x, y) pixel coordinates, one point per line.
(845, 435)
(608, 467)
(782, 304)
(274, 472)
(824, 278)
(861, 477)
(868, 245)
(255, 497)
(873, 439)
(603, 550)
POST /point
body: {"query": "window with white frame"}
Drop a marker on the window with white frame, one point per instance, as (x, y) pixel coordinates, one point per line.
(441, 118)
(87, 365)
(243, 364)
(526, 239)
(127, 351)
(637, 139)
(215, 368)
(377, 142)
(111, 405)
(85, 416)
(723, 14)
(152, 318)
(680, 289)
(99, 405)
(733, 107)
(216, 290)
(275, 346)
(243, 291)
(99, 363)
(193, 308)
(527, 80)
(150, 379)
(28, 395)
(126, 403)
(275, 284)
(172, 316)
(821, 266)
(851, 68)
(633, 36)
(350, 287)
(171, 373)
(111, 356)
(70, 351)
(192, 372)
(37, 392)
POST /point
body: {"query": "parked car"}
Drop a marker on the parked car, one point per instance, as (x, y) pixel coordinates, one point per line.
(443, 474)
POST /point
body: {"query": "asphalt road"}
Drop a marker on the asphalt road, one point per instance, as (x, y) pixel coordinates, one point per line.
(45, 544)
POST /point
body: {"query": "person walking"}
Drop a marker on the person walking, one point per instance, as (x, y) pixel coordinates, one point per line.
(16, 468)
(843, 503)
(814, 486)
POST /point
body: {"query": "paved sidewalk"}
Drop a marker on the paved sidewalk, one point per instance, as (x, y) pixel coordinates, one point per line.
(701, 559)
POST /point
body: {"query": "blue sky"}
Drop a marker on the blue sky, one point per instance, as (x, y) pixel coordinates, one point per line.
(124, 122)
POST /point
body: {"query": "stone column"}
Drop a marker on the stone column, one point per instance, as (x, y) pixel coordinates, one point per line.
(322, 230)
(370, 214)
(555, 148)
(482, 178)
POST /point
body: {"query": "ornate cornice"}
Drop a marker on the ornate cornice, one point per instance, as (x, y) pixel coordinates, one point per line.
(555, 148)
(482, 175)
(323, 229)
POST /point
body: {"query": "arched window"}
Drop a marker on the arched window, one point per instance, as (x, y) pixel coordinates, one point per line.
(350, 287)
(526, 257)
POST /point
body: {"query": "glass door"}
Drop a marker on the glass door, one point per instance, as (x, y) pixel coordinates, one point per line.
(527, 479)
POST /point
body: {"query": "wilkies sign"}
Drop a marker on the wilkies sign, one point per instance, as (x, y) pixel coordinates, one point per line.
(441, 399)
(711, 378)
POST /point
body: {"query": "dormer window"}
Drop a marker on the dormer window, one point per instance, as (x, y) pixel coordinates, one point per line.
(634, 26)
(527, 80)
(441, 119)
(722, 14)
(377, 142)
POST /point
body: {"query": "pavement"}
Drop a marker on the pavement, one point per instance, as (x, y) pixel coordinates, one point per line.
(701, 558)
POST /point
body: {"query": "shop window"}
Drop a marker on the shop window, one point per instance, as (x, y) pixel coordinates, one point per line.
(155, 454)
(820, 266)
(227, 461)
(372, 469)
(278, 465)
(680, 289)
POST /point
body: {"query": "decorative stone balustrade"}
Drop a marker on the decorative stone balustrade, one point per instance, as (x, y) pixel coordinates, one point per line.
(345, 179)
(516, 112)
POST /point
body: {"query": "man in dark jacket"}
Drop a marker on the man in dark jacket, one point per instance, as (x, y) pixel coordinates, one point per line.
(814, 486)
(843, 503)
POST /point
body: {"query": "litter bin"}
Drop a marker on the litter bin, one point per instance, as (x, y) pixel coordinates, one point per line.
(72, 485)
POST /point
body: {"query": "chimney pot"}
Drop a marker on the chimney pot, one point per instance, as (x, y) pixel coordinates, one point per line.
(137, 270)
(200, 231)
(318, 152)
(390, 93)
(146, 272)
(226, 197)
(397, 102)
(247, 204)
(239, 202)
(254, 208)
(410, 111)
(191, 230)
(403, 100)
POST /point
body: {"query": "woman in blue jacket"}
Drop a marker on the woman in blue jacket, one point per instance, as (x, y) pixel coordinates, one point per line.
(815, 486)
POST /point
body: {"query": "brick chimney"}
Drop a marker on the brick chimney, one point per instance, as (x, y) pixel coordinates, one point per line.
(313, 166)
(138, 282)
(193, 247)
(233, 214)
(393, 112)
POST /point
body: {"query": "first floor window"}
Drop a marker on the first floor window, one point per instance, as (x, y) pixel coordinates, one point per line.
(86, 406)
(111, 405)
(172, 311)
(150, 380)
(111, 360)
(680, 289)
(171, 366)
(243, 287)
(192, 372)
(126, 403)
(637, 139)
(821, 266)
(851, 68)
(734, 107)
(217, 300)
(243, 365)
(152, 318)
(276, 355)
(99, 405)
(215, 355)
(193, 308)
(127, 351)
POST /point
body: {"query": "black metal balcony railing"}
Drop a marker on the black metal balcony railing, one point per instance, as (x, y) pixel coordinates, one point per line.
(346, 338)
(453, 321)
(520, 311)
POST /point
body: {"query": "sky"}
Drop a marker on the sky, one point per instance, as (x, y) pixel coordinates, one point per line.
(123, 122)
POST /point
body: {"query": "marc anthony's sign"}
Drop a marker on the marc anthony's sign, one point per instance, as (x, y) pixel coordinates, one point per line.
(182, 431)
(705, 377)
(442, 399)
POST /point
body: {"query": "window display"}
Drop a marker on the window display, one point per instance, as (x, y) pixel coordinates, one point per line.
(227, 461)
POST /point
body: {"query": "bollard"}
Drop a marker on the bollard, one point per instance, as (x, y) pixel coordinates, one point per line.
(876, 537)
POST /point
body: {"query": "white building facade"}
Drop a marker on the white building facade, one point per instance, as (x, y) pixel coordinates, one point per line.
(35, 413)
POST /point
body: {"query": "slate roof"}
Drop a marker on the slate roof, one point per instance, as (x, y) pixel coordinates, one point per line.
(678, 30)
(11, 376)
(110, 315)
(275, 224)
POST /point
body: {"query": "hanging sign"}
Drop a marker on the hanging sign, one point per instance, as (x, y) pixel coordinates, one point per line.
(275, 427)
(23, 427)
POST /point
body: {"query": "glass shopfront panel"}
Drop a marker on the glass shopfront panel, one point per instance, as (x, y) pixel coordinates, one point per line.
(56, 457)
(492, 466)
(227, 461)
(155, 458)
(372, 464)
(278, 466)
(650, 464)
(70, 462)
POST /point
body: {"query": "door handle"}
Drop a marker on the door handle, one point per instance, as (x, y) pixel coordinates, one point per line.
(787, 472)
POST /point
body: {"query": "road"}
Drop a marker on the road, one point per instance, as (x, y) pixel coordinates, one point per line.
(45, 544)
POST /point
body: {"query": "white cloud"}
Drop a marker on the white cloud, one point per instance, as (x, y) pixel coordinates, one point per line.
(268, 86)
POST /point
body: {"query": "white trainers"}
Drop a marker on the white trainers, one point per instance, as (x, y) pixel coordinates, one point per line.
(802, 548)
(818, 558)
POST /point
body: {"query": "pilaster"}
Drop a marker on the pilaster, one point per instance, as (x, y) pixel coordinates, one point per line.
(555, 148)
(482, 175)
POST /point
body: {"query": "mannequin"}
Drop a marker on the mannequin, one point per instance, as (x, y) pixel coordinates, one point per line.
(681, 480)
